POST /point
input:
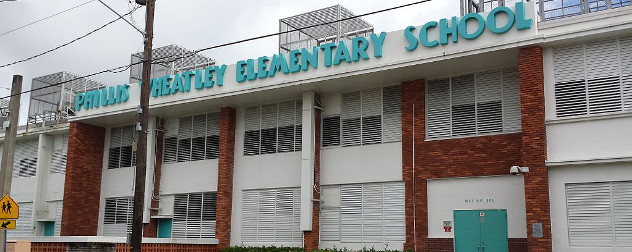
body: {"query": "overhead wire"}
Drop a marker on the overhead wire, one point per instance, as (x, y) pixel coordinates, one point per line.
(156, 61)
(45, 18)
(67, 43)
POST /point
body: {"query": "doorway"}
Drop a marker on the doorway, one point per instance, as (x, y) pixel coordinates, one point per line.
(481, 231)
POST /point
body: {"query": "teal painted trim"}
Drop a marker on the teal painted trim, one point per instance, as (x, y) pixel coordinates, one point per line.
(164, 228)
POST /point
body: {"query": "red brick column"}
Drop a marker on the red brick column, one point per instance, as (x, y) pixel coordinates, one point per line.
(151, 229)
(82, 189)
(311, 239)
(225, 175)
(536, 181)
(412, 97)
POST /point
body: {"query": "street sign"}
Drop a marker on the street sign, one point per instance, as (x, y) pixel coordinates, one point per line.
(8, 208)
(7, 224)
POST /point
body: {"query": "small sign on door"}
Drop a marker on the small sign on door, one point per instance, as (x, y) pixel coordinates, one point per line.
(447, 226)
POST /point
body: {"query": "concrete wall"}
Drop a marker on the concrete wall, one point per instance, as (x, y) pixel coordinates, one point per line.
(559, 177)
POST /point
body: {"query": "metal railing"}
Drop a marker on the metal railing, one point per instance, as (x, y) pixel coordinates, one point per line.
(548, 9)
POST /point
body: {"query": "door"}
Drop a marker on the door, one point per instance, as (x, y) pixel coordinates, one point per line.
(480, 231)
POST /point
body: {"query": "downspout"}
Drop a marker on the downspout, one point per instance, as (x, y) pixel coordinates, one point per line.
(414, 201)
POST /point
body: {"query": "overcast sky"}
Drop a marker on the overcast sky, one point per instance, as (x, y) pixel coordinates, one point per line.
(193, 24)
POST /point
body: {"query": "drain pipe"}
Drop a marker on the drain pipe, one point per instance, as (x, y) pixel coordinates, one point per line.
(414, 198)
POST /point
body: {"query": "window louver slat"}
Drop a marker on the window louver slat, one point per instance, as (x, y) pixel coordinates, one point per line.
(589, 214)
(25, 159)
(394, 216)
(603, 77)
(351, 118)
(351, 213)
(58, 210)
(198, 140)
(273, 128)
(121, 153)
(392, 113)
(185, 130)
(170, 153)
(269, 128)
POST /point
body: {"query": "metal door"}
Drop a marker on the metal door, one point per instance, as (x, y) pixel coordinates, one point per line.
(480, 231)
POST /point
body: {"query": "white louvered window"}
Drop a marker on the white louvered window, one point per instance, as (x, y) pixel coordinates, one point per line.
(363, 213)
(600, 214)
(58, 210)
(273, 128)
(271, 216)
(194, 215)
(473, 104)
(24, 224)
(59, 155)
(118, 216)
(122, 153)
(368, 117)
(197, 139)
(25, 159)
(593, 78)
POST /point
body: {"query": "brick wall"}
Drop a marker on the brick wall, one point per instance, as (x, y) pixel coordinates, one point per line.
(412, 96)
(447, 245)
(151, 229)
(536, 182)
(225, 176)
(311, 239)
(450, 158)
(82, 189)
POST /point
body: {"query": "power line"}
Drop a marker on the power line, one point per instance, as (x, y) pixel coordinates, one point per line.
(155, 61)
(40, 20)
(67, 43)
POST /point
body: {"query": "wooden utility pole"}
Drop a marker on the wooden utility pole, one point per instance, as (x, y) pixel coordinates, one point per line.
(141, 150)
(8, 150)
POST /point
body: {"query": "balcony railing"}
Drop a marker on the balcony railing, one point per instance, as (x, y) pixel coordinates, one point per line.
(548, 9)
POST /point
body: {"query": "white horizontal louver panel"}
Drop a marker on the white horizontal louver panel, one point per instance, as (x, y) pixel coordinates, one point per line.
(179, 227)
(625, 45)
(209, 215)
(371, 116)
(394, 215)
(330, 215)
(58, 211)
(117, 216)
(331, 131)
(269, 117)
(271, 215)
(602, 69)
(194, 215)
(489, 116)
(589, 215)
(392, 113)
(568, 64)
(25, 158)
(116, 137)
(438, 109)
(622, 197)
(198, 138)
(59, 155)
(185, 132)
(212, 135)
(372, 213)
(351, 118)
(298, 130)
(286, 122)
(23, 225)
(351, 213)
(252, 131)
(570, 82)
(170, 150)
(463, 108)
(249, 215)
(511, 100)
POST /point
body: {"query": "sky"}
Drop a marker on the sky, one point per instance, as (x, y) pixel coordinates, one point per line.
(193, 24)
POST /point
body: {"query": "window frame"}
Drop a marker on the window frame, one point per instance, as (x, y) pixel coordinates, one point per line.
(168, 155)
(297, 128)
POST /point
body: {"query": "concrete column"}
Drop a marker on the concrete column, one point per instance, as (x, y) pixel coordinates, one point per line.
(149, 175)
(311, 239)
(307, 160)
(40, 208)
